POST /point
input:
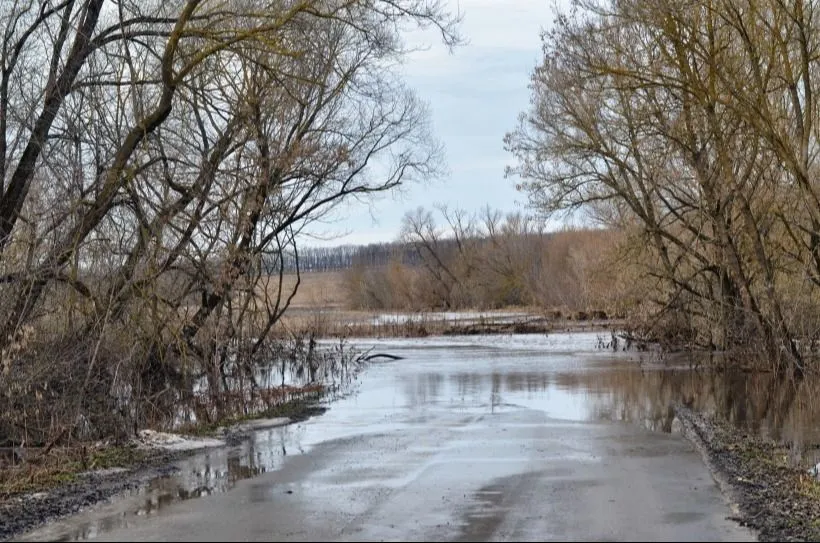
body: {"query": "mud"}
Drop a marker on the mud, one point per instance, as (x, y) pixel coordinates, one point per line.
(778, 500)
(20, 514)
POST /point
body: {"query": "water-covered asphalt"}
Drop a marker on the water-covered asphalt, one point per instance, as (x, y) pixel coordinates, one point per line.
(470, 439)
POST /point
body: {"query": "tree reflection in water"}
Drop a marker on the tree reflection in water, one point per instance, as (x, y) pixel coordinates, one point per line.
(784, 410)
(621, 390)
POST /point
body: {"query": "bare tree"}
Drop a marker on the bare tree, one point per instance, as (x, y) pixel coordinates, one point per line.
(657, 116)
(162, 155)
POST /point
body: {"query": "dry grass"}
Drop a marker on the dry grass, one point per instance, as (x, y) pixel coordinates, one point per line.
(318, 290)
(285, 401)
(63, 465)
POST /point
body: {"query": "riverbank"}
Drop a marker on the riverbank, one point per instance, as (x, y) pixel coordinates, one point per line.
(459, 323)
(41, 495)
(780, 501)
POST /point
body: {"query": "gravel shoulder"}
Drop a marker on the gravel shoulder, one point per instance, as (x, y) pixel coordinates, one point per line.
(768, 494)
(28, 511)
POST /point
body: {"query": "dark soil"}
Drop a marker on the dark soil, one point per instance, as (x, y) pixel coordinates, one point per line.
(778, 500)
(22, 512)
(434, 327)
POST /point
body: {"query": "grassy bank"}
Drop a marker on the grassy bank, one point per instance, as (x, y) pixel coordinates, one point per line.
(296, 410)
(35, 471)
(44, 471)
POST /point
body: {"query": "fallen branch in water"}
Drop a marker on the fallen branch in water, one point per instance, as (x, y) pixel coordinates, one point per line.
(368, 358)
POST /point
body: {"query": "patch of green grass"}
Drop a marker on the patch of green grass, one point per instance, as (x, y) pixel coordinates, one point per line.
(115, 457)
(295, 409)
(292, 409)
(809, 486)
(32, 478)
(61, 477)
(207, 429)
(766, 454)
(814, 530)
(62, 466)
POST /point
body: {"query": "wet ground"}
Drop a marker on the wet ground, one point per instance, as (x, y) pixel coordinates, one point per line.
(479, 438)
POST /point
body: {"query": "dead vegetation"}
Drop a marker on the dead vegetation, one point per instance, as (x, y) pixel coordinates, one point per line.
(455, 261)
(776, 498)
(694, 137)
(42, 470)
(158, 163)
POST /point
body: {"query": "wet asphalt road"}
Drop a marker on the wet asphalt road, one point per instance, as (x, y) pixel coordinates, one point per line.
(459, 442)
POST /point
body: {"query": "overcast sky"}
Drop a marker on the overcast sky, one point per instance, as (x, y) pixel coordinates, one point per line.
(474, 94)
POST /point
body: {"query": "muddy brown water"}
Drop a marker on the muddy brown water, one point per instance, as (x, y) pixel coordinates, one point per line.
(477, 438)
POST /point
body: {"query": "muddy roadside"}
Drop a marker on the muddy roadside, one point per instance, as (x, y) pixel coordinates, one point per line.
(779, 501)
(155, 454)
(767, 493)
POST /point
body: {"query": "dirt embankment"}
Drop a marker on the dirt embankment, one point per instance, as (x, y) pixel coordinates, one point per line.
(779, 500)
(159, 452)
(26, 511)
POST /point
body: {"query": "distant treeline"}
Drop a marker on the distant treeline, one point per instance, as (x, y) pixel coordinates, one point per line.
(406, 252)
(343, 257)
(450, 259)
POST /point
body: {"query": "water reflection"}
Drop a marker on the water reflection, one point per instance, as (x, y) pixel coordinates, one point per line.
(619, 390)
(487, 380)
(214, 472)
(757, 403)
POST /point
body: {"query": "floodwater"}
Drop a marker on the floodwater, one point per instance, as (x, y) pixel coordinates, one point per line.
(462, 317)
(467, 438)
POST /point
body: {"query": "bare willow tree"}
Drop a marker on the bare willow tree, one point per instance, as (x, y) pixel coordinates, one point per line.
(446, 253)
(154, 156)
(485, 259)
(692, 124)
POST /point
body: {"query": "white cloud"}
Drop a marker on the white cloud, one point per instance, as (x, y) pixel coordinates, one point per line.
(475, 95)
(490, 26)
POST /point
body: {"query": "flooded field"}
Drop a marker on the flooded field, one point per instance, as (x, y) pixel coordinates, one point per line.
(473, 438)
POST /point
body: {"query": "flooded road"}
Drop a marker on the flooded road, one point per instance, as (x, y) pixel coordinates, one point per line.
(481, 438)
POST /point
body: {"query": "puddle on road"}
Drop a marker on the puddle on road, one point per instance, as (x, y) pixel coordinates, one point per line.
(563, 376)
(213, 472)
